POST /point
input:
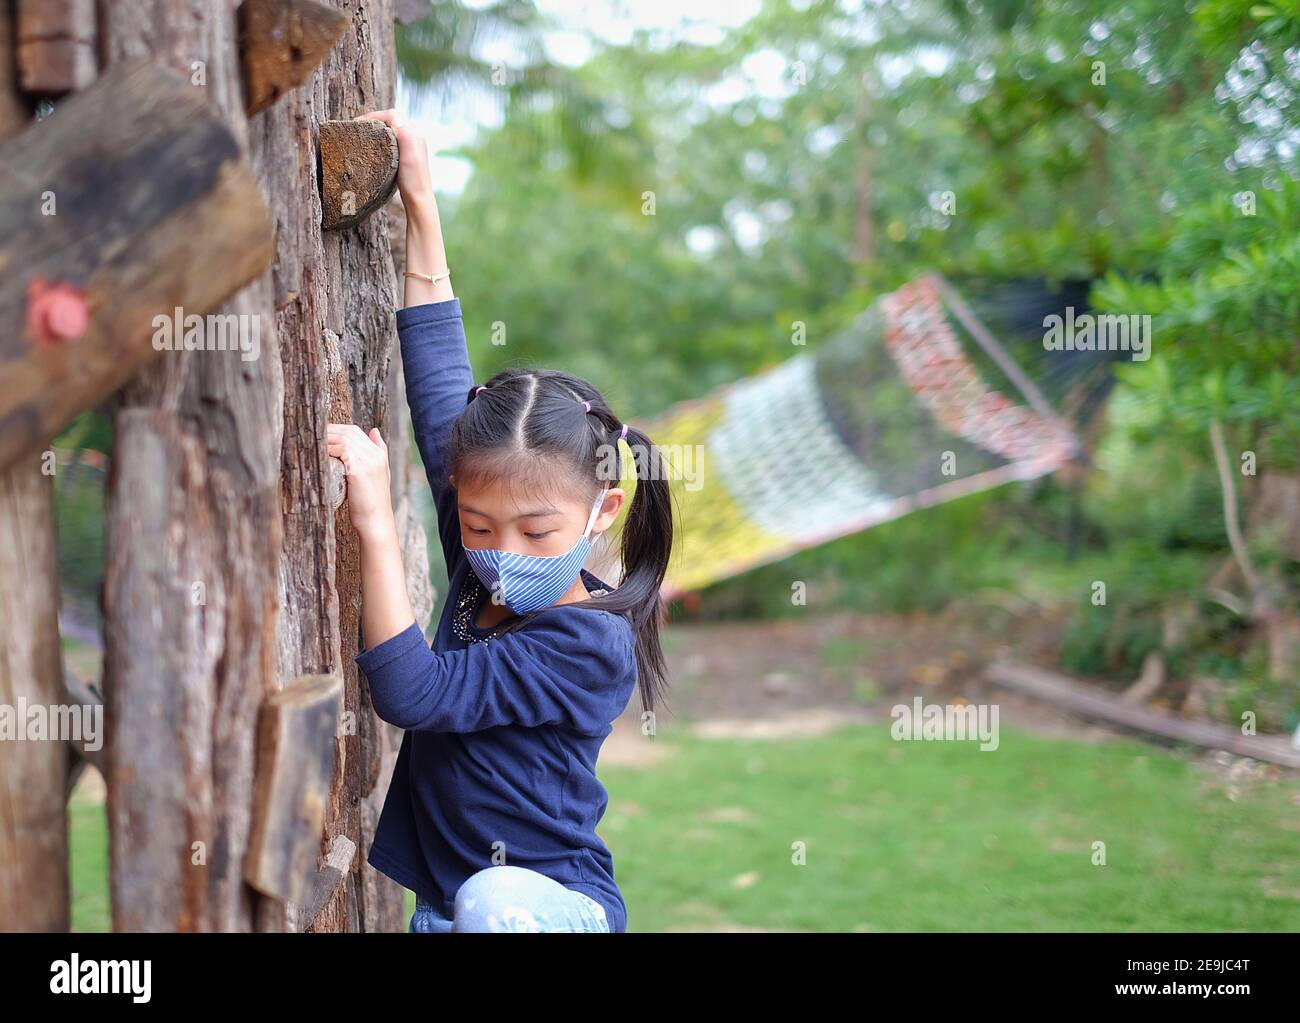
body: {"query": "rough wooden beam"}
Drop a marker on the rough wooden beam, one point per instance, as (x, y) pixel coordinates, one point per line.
(281, 42)
(56, 45)
(1090, 702)
(334, 295)
(295, 762)
(80, 291)
(232, 407)
(164, 613)
(358, 170)
(33, 767)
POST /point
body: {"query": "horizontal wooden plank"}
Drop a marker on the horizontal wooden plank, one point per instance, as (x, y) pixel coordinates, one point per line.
(132, 201)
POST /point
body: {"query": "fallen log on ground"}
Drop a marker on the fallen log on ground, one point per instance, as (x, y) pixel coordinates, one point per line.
(1087, 701)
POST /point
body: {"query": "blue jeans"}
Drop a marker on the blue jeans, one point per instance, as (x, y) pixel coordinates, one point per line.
(509, 898)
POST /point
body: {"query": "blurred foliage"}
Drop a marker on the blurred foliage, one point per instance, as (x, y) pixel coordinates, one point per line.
(79, 487)
(1224, 313)
(79, 511)
(658, 218)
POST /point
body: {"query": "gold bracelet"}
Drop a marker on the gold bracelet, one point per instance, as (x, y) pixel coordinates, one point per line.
(428, 277)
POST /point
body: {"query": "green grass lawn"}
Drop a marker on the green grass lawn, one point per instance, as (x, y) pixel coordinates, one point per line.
(939, 836)
(925, 836)
(88, 862)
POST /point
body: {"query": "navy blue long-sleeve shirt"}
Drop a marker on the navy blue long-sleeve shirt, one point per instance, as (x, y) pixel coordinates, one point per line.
(498, 760)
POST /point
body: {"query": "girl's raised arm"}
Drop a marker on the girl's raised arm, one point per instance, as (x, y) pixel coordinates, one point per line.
(438, 378)
(435, 360)
(425, 253)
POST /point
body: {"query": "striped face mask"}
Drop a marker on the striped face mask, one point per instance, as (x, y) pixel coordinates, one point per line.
(528, 581)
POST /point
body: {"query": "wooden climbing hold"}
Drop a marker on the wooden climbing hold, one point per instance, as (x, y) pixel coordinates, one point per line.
(55, 312)
(56, 46)
(358, 170)
(281, 42)
(336, 486)
(296, 748)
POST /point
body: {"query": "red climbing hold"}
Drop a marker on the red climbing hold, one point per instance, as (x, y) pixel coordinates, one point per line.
(56, 313)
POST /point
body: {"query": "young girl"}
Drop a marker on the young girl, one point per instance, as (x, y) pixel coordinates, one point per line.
(491, 813)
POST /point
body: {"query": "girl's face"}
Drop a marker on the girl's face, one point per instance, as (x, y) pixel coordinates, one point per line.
(493, 517)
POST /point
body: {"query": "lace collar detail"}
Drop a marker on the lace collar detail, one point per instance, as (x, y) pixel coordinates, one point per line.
(471, 599)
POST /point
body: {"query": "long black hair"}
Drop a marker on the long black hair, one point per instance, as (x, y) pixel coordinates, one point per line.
(530, 426)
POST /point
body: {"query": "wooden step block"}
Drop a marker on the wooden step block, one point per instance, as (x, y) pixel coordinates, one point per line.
(281, 42)
(358, 170)
(296, 747)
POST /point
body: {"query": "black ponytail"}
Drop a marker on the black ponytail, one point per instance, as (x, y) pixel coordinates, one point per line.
(647, 543)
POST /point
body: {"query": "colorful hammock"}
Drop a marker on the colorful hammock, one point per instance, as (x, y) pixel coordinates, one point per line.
(895, 414)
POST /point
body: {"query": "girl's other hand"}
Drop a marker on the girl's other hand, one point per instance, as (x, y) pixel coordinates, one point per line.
(413, 178)
(365, 462)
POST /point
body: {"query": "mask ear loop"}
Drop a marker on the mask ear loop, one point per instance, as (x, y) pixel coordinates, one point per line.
(600, 499)
(595, 511)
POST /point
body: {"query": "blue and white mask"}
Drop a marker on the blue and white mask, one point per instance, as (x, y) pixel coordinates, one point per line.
(529, 581)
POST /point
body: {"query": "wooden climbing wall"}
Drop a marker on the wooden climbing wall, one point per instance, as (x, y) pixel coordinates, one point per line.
(245, 767)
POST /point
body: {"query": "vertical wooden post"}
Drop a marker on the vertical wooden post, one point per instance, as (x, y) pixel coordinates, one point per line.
(241, 448)
(34, 892)
(165, 609)
(33, 769)
(216, 570)
(335, 294)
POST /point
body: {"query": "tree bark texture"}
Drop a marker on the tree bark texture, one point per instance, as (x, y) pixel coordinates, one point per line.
(243, 512)
(34, 893)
